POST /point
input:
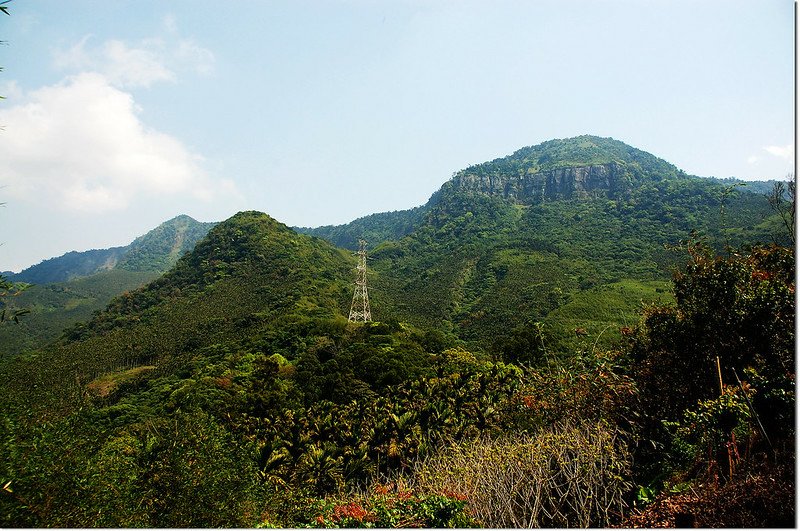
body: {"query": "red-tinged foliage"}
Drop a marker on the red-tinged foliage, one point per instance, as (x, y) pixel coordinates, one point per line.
(353, 511)
(587, 386)
(391, 505)
(715, 374)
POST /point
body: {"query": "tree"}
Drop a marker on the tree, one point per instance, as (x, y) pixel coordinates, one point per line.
(4, 9)
(9, 289)
(738, 308)
(720, 360)
(782, 200)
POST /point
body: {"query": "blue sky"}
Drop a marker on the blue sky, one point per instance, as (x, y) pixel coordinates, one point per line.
(122, 114)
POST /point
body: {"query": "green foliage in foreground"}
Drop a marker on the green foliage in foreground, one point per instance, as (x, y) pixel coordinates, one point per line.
(207, 448)
(737, 311)
(389, 507)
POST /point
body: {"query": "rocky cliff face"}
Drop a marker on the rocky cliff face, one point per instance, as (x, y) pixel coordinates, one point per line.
(603, 180)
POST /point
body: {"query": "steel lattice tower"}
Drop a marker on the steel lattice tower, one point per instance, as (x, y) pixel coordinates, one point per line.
(359, 310)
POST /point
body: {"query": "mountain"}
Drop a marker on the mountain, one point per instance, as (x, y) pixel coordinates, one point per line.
(231, 391)
(155, 251)
(54, 307)
(247, 272)
(69, 288)
(69, 266)
(584, 167)
(580, 167)
(571, 235)
(575, 234)
(159, 249)
(374, 228)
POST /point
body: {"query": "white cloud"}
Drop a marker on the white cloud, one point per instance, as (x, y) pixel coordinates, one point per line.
(784, 152)
(133, 66)
(121, 64)
(752, 159)
(80, 146)
(198, 58)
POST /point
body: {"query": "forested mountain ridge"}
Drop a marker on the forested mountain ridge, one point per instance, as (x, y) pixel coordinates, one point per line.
(155, 251)
(523, 349)
(53, 307)
(373, 228)
(483, 261)
(161, 247)
(551, 231)
(580, 167)
(248, 247)
(584, 167)
(71, 265)
(67, 289)
(245, 272)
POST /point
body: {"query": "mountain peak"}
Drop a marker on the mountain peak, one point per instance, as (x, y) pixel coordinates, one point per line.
(155, 252)
(161, 247)
(248, 263)
(577, 167)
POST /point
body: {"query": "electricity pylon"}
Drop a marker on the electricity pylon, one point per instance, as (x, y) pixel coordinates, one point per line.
(359, 310)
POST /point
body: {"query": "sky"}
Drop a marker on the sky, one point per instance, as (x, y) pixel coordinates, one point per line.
(119, 115)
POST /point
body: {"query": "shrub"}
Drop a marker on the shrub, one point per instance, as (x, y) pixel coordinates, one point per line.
(588, 386)
(388, 505)
(565, 476)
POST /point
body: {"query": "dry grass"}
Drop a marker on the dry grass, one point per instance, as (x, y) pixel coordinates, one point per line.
(104, 385)
(566, 476)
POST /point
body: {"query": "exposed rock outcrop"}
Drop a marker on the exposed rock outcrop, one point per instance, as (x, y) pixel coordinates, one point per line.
(604, 180)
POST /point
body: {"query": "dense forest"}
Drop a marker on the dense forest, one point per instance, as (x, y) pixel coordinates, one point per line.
(576, 335)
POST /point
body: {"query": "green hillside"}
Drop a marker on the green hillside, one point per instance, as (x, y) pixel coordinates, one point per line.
(373, 228)
(161, 247)
(69, 266)
(246, 273)
(586, 150)
(155, 251)
(482, 264)
(54, 307)
(579, 328)
(68, 289)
